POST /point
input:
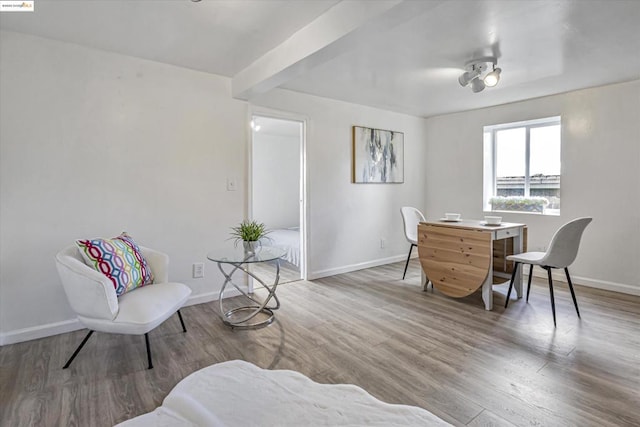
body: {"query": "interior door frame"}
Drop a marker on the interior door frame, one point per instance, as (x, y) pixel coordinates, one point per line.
(303, 215)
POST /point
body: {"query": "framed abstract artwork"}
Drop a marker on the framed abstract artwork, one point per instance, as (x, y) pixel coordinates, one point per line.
(378, 156)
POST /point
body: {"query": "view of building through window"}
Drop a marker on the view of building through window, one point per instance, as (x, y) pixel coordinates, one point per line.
(522, 165)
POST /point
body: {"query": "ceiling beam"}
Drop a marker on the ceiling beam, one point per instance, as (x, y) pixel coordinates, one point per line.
(335, 32)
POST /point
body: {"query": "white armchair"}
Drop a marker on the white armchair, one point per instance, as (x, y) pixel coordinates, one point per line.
(93, 298)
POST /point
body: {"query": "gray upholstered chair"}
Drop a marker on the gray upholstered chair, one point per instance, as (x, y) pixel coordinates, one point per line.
(410, 217)
(93, 298)
(561, 253)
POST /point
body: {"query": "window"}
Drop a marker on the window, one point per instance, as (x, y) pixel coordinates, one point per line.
(522, 166)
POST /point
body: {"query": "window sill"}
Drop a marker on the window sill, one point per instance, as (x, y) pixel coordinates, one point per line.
(547, 212)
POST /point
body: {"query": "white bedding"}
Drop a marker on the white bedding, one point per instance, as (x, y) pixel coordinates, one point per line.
(237, 393)
(287, 239)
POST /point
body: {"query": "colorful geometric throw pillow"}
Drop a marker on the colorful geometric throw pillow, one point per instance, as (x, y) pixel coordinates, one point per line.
(145, 270)
(119, 259)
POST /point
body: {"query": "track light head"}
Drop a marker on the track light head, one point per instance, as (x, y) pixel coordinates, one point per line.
(464, 79)
(477, 85)
(467, 76)
(492, 78)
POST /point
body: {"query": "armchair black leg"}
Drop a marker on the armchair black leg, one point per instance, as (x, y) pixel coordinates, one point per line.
(184, 329)
(513, 277)
(407, 264)
(553, 302)
(146, 339)
(529, 281)
(573, 294)
(75, 353)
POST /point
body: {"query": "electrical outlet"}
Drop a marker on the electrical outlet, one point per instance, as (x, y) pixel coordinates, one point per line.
(198, 270)
(382, 242)
(231, 184)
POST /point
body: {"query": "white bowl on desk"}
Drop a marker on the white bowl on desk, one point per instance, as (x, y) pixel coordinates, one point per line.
(493, 220)
(452, 216)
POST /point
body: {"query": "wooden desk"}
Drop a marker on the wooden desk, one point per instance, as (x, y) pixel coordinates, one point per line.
(458, 257)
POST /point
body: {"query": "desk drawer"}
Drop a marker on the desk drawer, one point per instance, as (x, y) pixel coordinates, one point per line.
(505, 234)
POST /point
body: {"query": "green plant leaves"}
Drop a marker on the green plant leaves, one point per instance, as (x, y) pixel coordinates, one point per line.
(517, 203)
(249, 231)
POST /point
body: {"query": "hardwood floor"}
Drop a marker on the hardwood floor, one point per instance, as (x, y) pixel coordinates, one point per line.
(267, 272)
(369, 328)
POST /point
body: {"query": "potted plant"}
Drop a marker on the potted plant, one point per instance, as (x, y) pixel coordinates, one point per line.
(517, 203)
(249, 232)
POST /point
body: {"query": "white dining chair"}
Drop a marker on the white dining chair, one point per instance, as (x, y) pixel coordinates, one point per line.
(411, 217)
(561, 253)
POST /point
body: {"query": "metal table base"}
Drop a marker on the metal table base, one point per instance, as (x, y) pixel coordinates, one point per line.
(258, 306)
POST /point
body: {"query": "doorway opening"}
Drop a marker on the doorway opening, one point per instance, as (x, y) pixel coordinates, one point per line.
(277, 192)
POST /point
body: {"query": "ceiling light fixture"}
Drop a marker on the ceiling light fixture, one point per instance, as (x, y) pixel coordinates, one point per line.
(473, 74)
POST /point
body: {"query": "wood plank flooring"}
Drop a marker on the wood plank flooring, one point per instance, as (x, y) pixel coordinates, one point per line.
(267, 272)
(369, 328)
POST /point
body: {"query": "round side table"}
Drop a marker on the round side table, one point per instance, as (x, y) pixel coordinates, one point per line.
(239, 259)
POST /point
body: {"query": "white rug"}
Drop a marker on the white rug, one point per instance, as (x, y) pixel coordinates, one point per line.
(238, 393)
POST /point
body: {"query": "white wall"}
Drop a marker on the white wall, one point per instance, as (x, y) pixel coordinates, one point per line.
(276, 179)
(600, 175)
(346, 221)
(94, 143)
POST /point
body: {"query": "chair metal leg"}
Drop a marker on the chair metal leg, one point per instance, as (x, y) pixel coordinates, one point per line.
(407, 264)
(146, 338)
(513, 277)
(553, 302)
(75, 353)
(573, 294)
(184, 329)
(529, 282)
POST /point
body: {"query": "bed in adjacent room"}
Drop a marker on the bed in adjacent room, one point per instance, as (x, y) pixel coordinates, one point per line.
(287, 239)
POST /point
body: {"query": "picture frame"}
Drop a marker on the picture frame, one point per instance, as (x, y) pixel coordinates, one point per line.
(378, 156)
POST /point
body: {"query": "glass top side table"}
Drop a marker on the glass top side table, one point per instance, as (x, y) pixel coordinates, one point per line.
(239, 259)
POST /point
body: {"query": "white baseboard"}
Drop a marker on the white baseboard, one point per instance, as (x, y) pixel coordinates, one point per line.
(40, 331)
(201, 298)
(355, 267)
(537, 272)
(50, 329)
(210, 296)
(558, 274)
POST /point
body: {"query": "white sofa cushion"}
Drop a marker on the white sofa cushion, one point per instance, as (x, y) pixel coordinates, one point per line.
(238, 393)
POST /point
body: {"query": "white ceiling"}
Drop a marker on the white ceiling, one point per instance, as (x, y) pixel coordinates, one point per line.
(398, 55)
